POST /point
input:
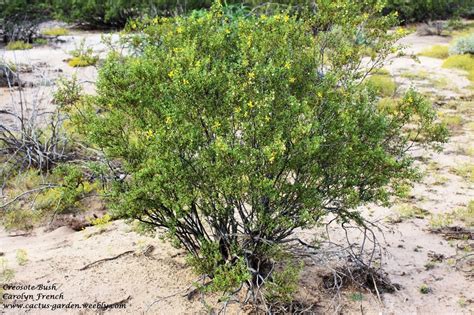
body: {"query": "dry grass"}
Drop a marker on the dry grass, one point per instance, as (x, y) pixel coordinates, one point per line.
(437, 51)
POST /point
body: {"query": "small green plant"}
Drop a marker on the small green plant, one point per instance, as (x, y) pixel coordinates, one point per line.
(424, 289)
(452, 120)
(437, 51)
(82, 56)
(18, 45)
(41, 41)
(466, 214)
(284, 284)
(21, 257)
(408, 211)
(6, 274)
(466, 171)
(384, 85)
(357, 297)
(55, 31)
(430, 265)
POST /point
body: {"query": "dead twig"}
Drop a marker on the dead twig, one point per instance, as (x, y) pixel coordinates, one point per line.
(105, 259)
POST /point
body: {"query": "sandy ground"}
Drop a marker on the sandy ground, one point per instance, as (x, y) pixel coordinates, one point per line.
(152, 278)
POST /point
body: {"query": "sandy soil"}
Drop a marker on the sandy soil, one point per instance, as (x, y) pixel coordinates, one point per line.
(152, 278)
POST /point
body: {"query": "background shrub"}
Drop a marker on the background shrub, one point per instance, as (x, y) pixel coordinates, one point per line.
(463, 45)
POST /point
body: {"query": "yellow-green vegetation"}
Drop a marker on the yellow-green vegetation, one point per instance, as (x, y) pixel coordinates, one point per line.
(437, 51)
(388, 104)
(18, 45)
(6, 274)
(407, 211)
(81, 62)
(419, 75)
(463, 62)
(466, 171)
(466, 214)
(441, 220)
(21, 257)
(55, 31)
(451, 120)
(440, 180)
(384, 85)
(106, 218)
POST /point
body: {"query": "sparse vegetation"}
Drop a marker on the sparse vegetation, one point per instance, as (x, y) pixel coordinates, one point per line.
(465, 170)
(55, 31)
(463, 45)
(21, 257)
(83, 56)
(463, 62)
(437, 51)
(384, 85)
(18, 45)
(425, 289)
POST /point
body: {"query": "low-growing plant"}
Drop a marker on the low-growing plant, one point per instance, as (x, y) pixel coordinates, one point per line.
(463, 62)
(55, 31)
(463, 45)
(437, 51)
(409, 211)
(384, 85)
(22, 257)
(18, 45)
(466, 171)
(82, 56)
(40, 41)
(441, 220)
(424, 289)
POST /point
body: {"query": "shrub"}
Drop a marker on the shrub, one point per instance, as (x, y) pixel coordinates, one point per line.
(463, 45)
(236, 132)
(437, 51)
(18, 45)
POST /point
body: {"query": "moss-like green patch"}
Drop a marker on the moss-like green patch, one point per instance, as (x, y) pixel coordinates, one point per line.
(18, 45)
(55, 31)
(437, 51)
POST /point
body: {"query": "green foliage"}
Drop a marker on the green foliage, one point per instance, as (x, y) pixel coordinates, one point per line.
(424, 289)
(284, 284)
(463, 45)
(429, 10)
(384, 85)
(436, 51)
(18, 45)
(236, 132)
(82, 56)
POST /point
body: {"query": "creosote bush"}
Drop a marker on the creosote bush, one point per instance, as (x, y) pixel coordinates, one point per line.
(236, 132)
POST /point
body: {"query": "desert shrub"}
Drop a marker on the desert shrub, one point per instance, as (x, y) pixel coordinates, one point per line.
(463, 45)
(437, 51)
(236, 132)
(18, 45)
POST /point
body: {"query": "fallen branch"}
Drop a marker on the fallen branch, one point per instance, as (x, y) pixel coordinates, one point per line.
(26, 193)
(105, 259)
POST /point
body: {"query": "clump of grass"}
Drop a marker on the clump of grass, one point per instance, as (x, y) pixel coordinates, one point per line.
(18, 45)
(466, 214)
(437, 51)
(452, 121)
(22, 257)
(463, 62)
(81, 62)
(407, 211)
(55, 31)
(40, 41)
(441, 220)
(466, 171)
(384, 85)
(425, 289)
(388, 105)
(419, 75)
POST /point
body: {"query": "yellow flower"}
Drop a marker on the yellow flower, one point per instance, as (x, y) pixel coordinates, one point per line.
(292, 80)
(410, 100)
(179, 30)
(250, 104)
(168, 120)
(263, 17)
(287, 65)
(251, 75)
(237, 110)
(155, 21)
(320, 95)
(185, 82)
(216, 125)
(171, 74)
(227, 31)
(286, 18)
(149, 134)
(267, 118)
(272, 157)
